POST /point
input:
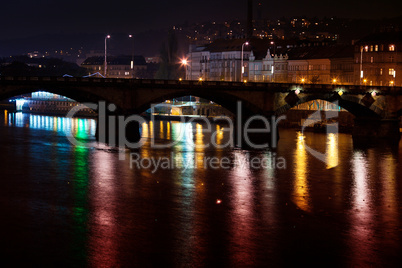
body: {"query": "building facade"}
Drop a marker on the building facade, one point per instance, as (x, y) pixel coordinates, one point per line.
(219, 61)
(117, 67)
(378, 60)
(375, 60)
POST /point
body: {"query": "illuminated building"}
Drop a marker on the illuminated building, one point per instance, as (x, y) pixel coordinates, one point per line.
(378, 60)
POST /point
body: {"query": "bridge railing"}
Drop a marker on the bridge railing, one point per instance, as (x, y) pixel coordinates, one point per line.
(225, 85)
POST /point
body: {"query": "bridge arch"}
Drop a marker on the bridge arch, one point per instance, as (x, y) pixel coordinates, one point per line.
(226, 100)
(352, 104)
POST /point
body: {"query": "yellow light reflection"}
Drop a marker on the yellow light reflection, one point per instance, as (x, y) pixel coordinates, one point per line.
(332, 151)
(161, 130)
(55, 124)
(168, 126)
(199, 142)
(5, 117)
(301, 195)
(151, 129)
(219, 135)
(199, 146)
(145, 132)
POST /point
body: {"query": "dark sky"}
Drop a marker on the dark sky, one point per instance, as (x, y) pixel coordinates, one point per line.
(21, 18)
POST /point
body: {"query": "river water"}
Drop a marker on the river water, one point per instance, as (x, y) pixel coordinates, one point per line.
(66, 205)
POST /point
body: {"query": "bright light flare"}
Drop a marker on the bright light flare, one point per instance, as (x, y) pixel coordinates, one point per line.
(184, 61)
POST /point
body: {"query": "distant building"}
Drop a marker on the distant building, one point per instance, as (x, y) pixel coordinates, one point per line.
(374, 60)
(219, 61)
(378, 59)
(271, 68)
(117, 67)
(154, 59)
(306, 64)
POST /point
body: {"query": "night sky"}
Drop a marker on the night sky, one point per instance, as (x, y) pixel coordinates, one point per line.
(21, 18)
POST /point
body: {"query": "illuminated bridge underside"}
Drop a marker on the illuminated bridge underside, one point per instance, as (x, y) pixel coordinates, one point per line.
(373, 106)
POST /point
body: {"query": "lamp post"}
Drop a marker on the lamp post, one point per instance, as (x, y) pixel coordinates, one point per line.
(105, 69)
(361, 63)
(273, 43)
(242, 63)
(184, 62)
(132, 55)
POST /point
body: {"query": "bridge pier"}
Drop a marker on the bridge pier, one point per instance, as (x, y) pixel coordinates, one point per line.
(369, 129)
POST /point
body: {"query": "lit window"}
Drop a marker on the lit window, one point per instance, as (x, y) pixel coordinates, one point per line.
(372, 59)
(391, 47)
(381, 71)
(366, 48)
(376, 48)
(391, 71)
(371, 48)
(126, 73)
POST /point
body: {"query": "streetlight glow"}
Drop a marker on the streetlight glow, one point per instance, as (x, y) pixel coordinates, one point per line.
(105, 63)
(242, 61)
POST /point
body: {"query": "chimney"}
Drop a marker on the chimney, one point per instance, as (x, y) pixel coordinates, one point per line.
(250, 26)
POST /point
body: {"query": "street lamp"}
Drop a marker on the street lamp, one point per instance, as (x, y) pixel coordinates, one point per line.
(105, 69)
(132, 55)
(365, 81)
(361, 62)
(242, 55)
(184, 62)
(273, 43)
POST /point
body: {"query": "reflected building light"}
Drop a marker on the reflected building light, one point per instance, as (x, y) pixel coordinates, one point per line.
(243, 205)
(161, 130)
(199, 142)
(332, 151)
(151, 130)
(19, 119)
(93, 127)
(199, 146)
(168, 126)
(390, 209)
(59, 125)
(219, 135)
(145, 131)
(301, 195)
(103, 219)
(362, 233)
(55, 125)
(5, 117)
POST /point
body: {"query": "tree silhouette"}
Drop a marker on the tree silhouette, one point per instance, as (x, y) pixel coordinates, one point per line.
(168, 68)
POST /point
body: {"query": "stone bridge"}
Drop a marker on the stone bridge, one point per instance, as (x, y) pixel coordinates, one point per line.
(377, 109)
